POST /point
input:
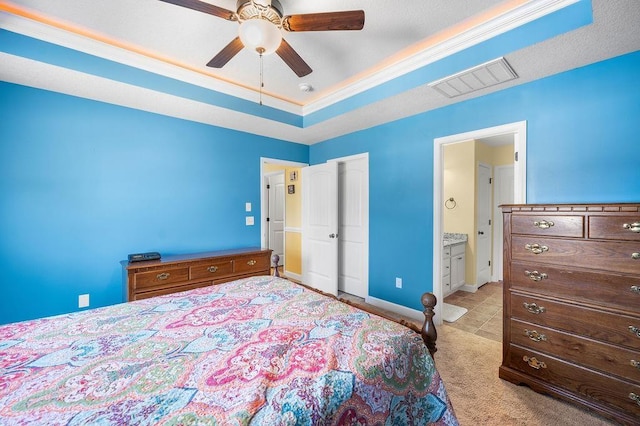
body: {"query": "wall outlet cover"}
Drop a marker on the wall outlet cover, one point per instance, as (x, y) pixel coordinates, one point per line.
(249, 220)
(83, 301)
(398, 282)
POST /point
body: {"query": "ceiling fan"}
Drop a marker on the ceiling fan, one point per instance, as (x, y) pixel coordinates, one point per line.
(261, 24)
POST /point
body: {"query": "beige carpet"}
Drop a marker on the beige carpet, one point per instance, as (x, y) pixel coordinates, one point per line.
(469, 365)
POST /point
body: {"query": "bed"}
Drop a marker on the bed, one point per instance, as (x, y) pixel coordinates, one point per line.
(259, 350)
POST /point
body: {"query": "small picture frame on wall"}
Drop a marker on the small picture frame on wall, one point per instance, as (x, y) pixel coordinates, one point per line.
(293, 176)
(291, 189)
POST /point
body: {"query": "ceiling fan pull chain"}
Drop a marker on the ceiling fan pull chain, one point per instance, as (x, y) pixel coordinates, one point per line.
(261, 78)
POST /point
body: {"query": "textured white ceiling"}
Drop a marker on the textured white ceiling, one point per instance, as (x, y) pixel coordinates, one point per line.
(185, 40)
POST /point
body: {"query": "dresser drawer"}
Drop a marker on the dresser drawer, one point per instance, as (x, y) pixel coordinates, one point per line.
(610, 359)
(213, 269)
(612, 290)
(593, 386)
(559, 226)
(615, 227)
(170, 290)
(596, 324)
(606, 255)
(250, 264)
(160, 278)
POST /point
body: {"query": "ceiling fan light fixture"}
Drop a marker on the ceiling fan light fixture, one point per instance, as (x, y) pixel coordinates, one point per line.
(260, 36)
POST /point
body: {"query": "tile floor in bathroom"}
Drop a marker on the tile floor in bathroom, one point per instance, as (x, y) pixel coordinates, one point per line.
(484, 316)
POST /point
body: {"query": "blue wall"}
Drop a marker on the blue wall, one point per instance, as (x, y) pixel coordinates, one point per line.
(581, 136)
(84, 183)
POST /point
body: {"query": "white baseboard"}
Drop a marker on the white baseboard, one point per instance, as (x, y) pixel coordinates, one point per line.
(292, 275)
(469, 288)
(398, 309)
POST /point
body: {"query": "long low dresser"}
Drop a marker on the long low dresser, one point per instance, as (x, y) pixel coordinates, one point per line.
(177, 273)
(572, 304)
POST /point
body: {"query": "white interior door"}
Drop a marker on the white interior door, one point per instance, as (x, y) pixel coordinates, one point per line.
(275, 218)
(483, 225)
(353, 266)
(320, 227)
(503, 193)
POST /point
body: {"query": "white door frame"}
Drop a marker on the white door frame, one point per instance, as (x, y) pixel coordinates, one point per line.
(519, 130)
(263, 196)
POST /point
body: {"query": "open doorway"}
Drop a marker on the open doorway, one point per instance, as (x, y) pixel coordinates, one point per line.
(517, 133)
(280, 200)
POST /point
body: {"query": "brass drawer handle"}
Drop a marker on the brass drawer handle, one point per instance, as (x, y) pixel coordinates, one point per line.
(212, 269)
(543, 224)
(163, 276)
(633, 227)
(536, 248)
(534, 308)
(635, 364)
(536, 276)
(635, 289)
(635, 398)
(534, 363)
(635, 256)
(634, 330)
(251, 262)
(535, 336)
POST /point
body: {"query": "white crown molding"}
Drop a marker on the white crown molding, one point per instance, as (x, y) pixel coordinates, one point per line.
(51, 34)
(517, 17)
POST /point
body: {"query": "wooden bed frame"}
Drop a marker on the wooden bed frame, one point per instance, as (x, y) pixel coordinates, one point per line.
(428, 330)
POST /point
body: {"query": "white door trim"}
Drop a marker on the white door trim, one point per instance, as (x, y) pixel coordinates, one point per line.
(519, 129)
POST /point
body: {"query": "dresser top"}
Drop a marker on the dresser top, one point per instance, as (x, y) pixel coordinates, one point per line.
(577, 208)
(192, 256)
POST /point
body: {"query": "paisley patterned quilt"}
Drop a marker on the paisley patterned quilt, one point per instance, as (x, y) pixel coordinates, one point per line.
(260, 351)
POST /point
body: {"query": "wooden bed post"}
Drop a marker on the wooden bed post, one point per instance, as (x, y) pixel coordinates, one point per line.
(428, 332)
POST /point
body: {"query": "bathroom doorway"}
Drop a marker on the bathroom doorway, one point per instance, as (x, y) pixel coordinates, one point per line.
(514, 132)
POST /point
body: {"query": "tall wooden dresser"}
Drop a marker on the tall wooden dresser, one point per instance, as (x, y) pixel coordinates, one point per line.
(572, 304)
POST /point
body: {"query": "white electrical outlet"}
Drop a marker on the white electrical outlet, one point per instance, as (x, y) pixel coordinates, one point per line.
(247, 207)
(249, 220)
(83, 301)
(398, 282)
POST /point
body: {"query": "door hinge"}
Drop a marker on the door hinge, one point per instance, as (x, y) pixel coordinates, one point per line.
(489, 221)
(268, 186)
(489, 263)
(490, 180)
(516, 156)
(268, 219)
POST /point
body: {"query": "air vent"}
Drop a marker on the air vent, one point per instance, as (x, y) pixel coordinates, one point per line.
(476, 78)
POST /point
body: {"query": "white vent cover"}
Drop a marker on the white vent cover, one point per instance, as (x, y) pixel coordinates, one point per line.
(485, 75)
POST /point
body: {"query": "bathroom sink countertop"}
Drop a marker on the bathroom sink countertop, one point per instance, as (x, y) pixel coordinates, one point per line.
(450, 238)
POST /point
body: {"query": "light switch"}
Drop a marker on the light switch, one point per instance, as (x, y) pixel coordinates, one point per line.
(247, 207)
(249, 220)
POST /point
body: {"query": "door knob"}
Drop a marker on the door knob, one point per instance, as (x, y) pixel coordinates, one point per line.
(333, 235)
(480, 233)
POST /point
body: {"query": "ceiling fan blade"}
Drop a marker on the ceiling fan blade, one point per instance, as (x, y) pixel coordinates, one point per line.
(204, 7)
(292, 59)
(225, 55)
(330, 21)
